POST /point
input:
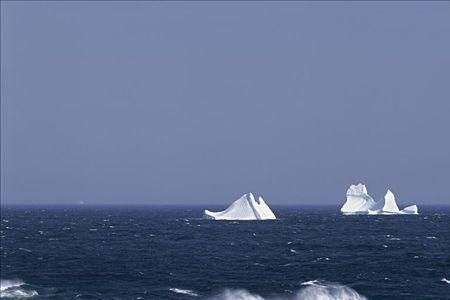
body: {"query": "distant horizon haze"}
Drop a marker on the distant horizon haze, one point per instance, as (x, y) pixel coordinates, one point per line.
(157, 103)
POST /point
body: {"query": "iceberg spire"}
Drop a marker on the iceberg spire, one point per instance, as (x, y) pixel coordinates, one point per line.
(389, 203)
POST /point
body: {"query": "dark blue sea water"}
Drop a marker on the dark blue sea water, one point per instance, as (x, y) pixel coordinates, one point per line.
(169, 253)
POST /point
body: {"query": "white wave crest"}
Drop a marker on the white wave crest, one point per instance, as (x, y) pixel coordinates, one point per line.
(311, 282)
(186, 292)
(329, 291)
(314, 290)
(8, 283)
(236, 294)
(445, 280)
(12, 289)
(18, 293)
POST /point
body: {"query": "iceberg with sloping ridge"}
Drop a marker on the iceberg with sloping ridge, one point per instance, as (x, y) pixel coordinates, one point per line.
(360, 202)
(244, 208)
(410, 210)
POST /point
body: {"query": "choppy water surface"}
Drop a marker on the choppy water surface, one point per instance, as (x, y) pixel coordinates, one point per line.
(169, 253)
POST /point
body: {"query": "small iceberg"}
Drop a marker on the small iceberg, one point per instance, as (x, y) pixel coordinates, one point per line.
(244, 208)
(360, 202)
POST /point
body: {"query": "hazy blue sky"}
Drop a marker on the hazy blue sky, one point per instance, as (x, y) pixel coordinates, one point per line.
(114, 102)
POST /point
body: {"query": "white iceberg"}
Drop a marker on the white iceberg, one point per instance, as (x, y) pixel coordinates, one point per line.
(410, 210)
(245, 208)
(385, 206)
(360, 202)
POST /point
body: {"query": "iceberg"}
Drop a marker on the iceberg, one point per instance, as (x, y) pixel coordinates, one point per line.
(385, 206)
(244, 208)
(360, 202)
(410, 210)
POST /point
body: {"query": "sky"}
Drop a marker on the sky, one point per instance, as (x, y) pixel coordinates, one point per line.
(201, 102)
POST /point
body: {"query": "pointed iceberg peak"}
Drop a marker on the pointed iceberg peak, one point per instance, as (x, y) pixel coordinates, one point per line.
(264, 210)
(389, 195)
(250, 196)
(359, 202)
(389, 205)
(244, 208)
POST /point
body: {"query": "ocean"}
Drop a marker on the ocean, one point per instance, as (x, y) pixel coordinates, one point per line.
(146, 252)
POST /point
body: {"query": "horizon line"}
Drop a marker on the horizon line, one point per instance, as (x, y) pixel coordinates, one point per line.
(178, 204)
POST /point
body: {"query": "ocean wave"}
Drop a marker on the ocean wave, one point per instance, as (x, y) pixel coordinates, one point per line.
(314, 290)
(445, 280)
(7, 284)
(186, 292)
(318, 290)
(236, 294)
(311, 282)
(13, 289)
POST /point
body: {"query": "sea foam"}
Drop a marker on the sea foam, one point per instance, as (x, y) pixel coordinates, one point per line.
(317, 290)
(7, 284)
(186, 292)
(313, 290)
(12, 288)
